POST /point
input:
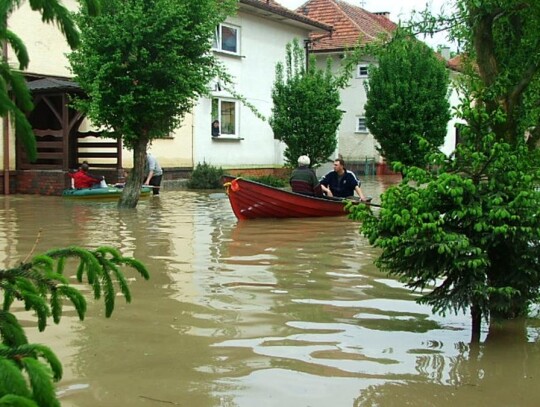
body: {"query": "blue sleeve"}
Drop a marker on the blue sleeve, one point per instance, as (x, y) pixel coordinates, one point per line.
(324, 180)
(356, 180)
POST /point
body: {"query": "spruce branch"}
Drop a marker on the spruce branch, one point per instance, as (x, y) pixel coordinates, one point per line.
(12, 381)
(27, 370)
(11, 400)
(42, 387)
(11, 332)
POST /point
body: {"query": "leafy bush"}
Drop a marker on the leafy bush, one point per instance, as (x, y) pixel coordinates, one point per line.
(206, 176)
(269, 180)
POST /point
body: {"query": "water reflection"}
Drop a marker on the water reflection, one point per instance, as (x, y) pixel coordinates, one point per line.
(289, 313)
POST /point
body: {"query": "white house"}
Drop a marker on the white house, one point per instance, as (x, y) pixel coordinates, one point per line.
(353, 25)
(249, 44)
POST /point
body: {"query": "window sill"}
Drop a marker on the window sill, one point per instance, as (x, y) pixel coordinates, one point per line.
(228, 54)
(227, 138)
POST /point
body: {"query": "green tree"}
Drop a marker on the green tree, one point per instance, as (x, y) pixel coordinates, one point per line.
(470, 234)
(27, 371)
(407, 100)
(143, 64)
(306, 113)
(499, 44)
(15, 98)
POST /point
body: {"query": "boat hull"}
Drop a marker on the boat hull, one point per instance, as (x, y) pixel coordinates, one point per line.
(99, 193)
(252, 200)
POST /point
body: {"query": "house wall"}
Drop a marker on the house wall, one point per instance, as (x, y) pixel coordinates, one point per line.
(45, 43)
(262, 45)
(450, 141)
(352, 145)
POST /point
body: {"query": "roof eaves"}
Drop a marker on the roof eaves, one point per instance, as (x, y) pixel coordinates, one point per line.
(275, 8)
(50, 84)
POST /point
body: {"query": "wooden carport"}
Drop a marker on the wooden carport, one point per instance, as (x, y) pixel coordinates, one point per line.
(61, 145)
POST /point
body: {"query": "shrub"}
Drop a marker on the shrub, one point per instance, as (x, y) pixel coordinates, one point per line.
(206, 176)
(269, 180)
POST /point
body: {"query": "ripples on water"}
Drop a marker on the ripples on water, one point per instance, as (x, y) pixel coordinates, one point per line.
(258, 313)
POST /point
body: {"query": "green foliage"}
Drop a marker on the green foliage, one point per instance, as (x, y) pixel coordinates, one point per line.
(27, 371)
(470, 235)
(306, 113)
(269, 180)
(143, 64)
(206, 176)
(499, 44)
(407, 108)
(15, 98)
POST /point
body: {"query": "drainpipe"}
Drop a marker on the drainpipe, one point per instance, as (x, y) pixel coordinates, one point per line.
(307, 44)
(5, 129)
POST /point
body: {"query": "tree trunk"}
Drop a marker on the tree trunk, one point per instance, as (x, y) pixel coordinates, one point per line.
(476, 316)
(132, 189)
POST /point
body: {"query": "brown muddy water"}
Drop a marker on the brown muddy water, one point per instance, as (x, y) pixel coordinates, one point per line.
(258, 313)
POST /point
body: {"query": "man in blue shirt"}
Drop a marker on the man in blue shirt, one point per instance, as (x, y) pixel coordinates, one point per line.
(341, 182)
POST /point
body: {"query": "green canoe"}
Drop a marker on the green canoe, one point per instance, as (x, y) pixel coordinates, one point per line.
(100, 193)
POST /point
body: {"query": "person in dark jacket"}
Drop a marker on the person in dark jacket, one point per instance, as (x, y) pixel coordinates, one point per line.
(341, 182)
(303, 179)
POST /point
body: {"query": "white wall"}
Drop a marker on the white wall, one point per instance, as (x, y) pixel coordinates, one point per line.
(355, 146)
(263, 44)
(450, 141)
(45, 43)
(352, 145)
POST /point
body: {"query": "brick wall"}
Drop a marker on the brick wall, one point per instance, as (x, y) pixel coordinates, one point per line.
(39, 182)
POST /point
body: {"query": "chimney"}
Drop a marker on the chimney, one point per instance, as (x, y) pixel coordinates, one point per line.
(445, 52)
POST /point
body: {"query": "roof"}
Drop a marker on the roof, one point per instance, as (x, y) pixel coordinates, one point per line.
(351, 24)
(456, 63)
(49, 84)
(275, 11)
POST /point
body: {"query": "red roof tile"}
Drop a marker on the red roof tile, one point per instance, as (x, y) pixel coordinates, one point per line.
(351, 24)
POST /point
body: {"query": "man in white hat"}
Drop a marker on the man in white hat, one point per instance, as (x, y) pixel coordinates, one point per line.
(303, 179)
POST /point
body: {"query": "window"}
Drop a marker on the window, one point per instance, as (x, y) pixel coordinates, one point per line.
(227, 39)
(226, 112)
(362, 71)
(361, 125)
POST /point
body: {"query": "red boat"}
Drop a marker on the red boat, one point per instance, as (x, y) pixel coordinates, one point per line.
(252, 200)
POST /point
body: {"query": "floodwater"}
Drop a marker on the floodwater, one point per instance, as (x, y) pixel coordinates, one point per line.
(257, 313)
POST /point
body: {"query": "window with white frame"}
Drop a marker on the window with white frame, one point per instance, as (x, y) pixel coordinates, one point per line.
(362, 71)
(227, 39)
(361, 126)
(225, 111)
